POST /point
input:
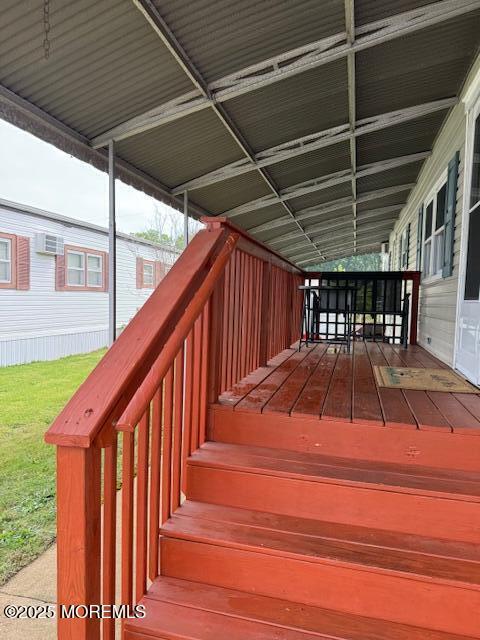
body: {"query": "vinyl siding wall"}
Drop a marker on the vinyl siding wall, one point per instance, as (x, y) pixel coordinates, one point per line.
(45, 324)
(438, 299)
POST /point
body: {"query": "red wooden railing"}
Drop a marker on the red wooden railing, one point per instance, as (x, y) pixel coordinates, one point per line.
(227, 306)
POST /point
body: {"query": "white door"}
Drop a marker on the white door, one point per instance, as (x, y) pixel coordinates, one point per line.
(467, 359)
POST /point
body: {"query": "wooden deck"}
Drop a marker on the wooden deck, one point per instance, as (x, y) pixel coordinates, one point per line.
(324, 382)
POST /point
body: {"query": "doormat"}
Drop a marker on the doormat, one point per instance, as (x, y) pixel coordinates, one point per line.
(422, 379)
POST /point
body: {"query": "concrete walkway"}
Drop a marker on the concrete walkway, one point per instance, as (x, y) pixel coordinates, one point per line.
(35, 585)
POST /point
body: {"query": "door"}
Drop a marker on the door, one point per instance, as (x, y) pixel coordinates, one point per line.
(467, 359)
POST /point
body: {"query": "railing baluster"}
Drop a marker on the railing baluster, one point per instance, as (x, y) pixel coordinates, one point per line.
(128, 452)
(177, 429)
(197, 364)
(142, 502)
(187, 413)
(167, 445)
(109, 534)
(154, 520)
(204, 374)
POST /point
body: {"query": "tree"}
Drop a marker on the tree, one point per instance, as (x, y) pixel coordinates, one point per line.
(166, 227)
(366, 262)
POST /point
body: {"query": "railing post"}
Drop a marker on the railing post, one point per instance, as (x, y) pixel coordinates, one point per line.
(265, 314)
(78, 538)
(414, 307)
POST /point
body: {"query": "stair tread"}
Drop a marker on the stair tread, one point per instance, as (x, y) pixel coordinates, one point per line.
(197, 611)
(317, 541)
(387, 476)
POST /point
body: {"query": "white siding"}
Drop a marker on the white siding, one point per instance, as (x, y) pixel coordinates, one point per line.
(45, 324)
(438, 299)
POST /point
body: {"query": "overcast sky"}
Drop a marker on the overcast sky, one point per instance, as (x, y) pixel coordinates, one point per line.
(38, 174)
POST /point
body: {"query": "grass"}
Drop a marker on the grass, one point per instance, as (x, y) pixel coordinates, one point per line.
(31, 395)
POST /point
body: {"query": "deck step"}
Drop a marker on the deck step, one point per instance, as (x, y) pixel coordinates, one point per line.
(398, 443)
(322, 564)
(180, 609)
(401, 498)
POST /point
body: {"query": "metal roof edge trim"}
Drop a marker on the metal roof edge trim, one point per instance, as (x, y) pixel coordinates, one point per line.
(30, 118)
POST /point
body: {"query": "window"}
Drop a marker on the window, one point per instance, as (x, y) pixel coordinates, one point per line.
(472, 273)
(75, 269)
(434, 233)
(14, 262)
(148, 274)
(404, 248)
(94, 270)
(5, 261)
(81, 269)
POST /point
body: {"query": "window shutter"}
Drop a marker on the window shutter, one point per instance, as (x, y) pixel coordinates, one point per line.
(159, 272)
(59, 273)
(451, 203)
(105, 272)
(139, 273)
(407, 246)
(23, 263)
(419, 239)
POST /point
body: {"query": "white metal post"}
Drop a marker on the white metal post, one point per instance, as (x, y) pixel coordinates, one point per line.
(112, 247)
(185, 217)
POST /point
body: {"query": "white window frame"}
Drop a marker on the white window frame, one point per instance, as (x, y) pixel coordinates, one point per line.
(432, 275)
(150, 265)
(7, 260)
(82, 269)
(100, 271)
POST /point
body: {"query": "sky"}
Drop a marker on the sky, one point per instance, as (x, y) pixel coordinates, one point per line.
(38, 174)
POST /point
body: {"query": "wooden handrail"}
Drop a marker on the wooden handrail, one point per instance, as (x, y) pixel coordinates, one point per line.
(146, 390)
(106, 392)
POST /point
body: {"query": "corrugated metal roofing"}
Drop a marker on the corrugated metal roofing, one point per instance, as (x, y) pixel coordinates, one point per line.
(311, 165)
(421, 67)
(222, 37)
(108, 65)
(393, 177)
(300, 105)
(183, 149)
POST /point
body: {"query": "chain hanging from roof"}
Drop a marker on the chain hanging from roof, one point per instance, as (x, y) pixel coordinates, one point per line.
(46, 29)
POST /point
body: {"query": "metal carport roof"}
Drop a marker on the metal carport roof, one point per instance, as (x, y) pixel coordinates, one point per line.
(305, 122)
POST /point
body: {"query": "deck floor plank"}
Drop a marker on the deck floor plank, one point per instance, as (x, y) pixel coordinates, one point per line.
(338, 403)
(310, 402)
(396, 410)
(366, 407)
(261, 394)
(233, 396)
(286, 396)
(460, 419)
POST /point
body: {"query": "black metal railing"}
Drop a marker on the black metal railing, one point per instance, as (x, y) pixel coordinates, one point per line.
(357, 305)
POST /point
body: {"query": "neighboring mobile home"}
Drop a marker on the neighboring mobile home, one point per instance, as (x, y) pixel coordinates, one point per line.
(438, 233)
(54, 283)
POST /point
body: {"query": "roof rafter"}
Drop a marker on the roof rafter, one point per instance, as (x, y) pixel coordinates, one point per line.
(315, 141)
(285, 65)
(326, 181)
(327, 207)
(352, 111)
(163, 31)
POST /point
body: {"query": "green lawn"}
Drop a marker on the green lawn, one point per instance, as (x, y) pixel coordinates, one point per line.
(31, 395)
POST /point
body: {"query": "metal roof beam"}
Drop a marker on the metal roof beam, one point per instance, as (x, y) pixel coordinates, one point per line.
(163, 31)
(283, 65)
(326, 181)
(336, 255)
(317, 140)
(341, 222)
